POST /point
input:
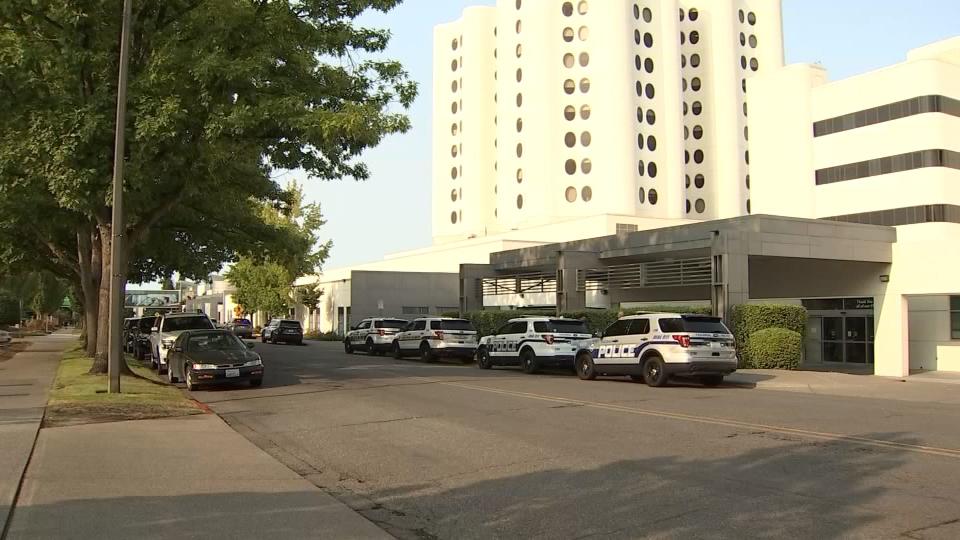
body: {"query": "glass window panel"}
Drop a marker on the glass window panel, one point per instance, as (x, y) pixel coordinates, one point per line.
(955, 303)
(856, 353)
(832, 352)
(833, 328)
(856, 329)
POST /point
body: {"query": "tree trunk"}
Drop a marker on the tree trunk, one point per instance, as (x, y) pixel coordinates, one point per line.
(88, 255)
(103, 303)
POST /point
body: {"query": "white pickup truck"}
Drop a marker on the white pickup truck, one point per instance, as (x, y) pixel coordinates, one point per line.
(166, 330)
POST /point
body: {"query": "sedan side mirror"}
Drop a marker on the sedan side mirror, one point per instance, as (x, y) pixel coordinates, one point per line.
(249, 344)
(177, 349)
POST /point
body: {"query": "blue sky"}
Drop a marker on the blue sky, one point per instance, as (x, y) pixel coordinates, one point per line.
(391, 211)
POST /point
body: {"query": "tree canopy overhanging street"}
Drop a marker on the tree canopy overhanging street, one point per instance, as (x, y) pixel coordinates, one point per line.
(221, 96)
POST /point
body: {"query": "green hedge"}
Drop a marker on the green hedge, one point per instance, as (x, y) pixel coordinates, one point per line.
(597, 320)
(775, 348)
(749, 319)
(313, 335)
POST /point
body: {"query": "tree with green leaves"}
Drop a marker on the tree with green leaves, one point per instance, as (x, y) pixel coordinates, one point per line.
(261, 286)
(222, 93)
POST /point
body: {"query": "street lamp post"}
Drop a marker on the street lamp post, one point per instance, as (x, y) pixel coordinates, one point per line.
(118, 280)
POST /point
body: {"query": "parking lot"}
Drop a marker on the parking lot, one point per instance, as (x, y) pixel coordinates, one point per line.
(450, 451)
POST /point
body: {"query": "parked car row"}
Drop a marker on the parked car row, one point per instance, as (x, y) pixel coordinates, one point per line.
(652, 348)
(5, 338)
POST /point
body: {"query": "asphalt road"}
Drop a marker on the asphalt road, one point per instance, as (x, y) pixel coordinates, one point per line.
(451, 451)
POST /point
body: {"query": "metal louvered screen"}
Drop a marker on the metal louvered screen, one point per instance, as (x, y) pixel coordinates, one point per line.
(519, 284)
(676, 273)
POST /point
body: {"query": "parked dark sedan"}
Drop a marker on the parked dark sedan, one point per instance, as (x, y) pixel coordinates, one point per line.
(210, 357)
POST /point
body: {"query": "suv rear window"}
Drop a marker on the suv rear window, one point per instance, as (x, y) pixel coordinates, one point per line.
(177, 324)
(455, 325)
(241, 322)
(289, 324)
(390, 323)
(561, 327)
(696, 325)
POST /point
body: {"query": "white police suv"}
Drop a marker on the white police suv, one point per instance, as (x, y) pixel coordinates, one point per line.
(533, 343)
(655, 347)
(375, 335)
(435, 337)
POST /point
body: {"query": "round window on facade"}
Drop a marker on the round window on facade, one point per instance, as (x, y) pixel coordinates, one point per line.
(742, 16)
(519, 2)
(453, 65)
(651, 143)
(453, 150)
(584, 33)
(638, 62)
(455, 44)
(648, 40)
(686, 108)
(453, 130)
(453, 195)
(743, 84)
(642, 195)
(754, 64)
(584, 85)
(585, 112)
(648, 65)
(569, 112)
(570, 140)
(743, 39)
(453, 107)
(652, 196)
(567, 9)
(748, 181)
(519, 150)
(571, 194)
(569, 86)
(697, 108)
(568, 60)
(688, 206)
(640, 140)
(454, 86)
(454, 173)
(694, 37)
(683, 85)
(686, 156)
(749, 210)
(582, 8)
(682, 15)
(519, 26)
(695, 84)
(585, 138)
(453, 217)
(519, 50)
(586, 166)
(586, 193)
(639, 89)
(568, 34)
(746, 133)
(639, 115)
(752, 18)
(652, 170)
(698, 132)
(519, 176)
(743, 62)
(519, 74)
(641, 169)
(683, 41)
(570, 166)
(647, 15)
(698, 157)
(651, 117)
(519, 100)
(746, 157)
(519, 125)
(637, 37)
(636, 12)
(584, 59)
(686, 133)
(650, 91)
(695, 60)
(753, 41)
(699, 181)
(519, 202)
(693, 14)
(745, 108)
(687, 178)
(701, 205)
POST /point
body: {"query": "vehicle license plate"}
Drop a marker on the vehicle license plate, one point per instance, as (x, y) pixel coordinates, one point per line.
(233, 373)
(715, 345)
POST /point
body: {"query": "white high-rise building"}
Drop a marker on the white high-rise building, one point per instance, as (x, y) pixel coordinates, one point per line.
(548, 110)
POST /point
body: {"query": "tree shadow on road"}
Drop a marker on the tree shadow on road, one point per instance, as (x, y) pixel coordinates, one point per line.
(790, 488)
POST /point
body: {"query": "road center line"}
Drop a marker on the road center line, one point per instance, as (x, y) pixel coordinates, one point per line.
(825, 436)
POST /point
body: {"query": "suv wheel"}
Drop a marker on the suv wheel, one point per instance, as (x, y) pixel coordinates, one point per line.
(371, 348)
(347, 347)
(711, 380)
(654, 372)
(396, 350)
(483, 359)
(186, 378)
(528, 361)
(586, 370)
(426, 353)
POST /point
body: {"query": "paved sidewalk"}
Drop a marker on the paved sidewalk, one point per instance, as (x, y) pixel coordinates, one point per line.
(185, 477)
(24, 383)
(913, 388)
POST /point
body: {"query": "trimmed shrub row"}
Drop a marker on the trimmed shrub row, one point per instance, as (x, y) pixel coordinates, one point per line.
(775, 348)
(749, 320)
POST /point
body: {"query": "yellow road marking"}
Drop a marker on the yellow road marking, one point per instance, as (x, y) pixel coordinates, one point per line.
(921, 449)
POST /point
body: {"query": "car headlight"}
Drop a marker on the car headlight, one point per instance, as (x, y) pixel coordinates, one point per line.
(204, 366)
(254, 363)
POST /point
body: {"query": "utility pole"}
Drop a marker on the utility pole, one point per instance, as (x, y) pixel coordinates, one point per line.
(118, 227)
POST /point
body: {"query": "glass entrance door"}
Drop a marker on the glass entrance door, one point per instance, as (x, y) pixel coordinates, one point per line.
(848, 339)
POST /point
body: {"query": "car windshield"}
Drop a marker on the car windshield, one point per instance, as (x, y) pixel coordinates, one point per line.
(145, 324)
(177, 324)
(562, 327)
(696, 325)
(458, 324)
(214, 341)
(290, 324)
(390, 323)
